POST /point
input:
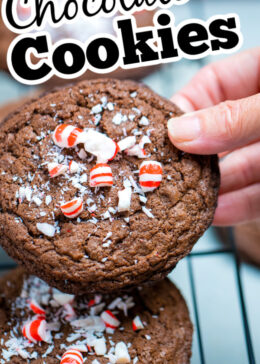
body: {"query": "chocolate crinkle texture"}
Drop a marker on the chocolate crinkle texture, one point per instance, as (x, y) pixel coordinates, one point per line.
(166, 335)
(102, 250)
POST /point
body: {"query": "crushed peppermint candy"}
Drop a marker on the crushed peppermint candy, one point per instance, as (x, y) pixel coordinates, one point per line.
(67, 136)
(101, 146)
(46, 229)
(119, 118)
(72, 208)
(91, 329)
(124, 199)
(121, 353)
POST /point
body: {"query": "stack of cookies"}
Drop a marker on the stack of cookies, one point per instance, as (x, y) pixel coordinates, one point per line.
(98, 207)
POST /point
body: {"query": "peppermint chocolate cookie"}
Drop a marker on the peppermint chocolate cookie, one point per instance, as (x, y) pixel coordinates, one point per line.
(39, 324)
(93, 195)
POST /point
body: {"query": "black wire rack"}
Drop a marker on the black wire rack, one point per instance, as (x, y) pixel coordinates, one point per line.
(231, 250)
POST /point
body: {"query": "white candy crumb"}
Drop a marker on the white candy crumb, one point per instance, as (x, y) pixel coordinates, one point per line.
(143, 198)
(121, 353)
(137, 111)
(106, 215)
(62, 298)
(144, 121)
(124, 199)
(110, 106)
(127, 143)
(46, 229)
(92, 208)
(108, 236)
(147, 212)
(100, 347)
(83, 178)
(74, 167)
(37, 200)
(48, 200)
(82, 154)
(119, 118)
(97, 109)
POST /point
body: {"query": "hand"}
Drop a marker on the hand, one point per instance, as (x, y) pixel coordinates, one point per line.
(230, 128)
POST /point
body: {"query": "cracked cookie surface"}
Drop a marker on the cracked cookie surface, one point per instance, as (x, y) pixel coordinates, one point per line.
(102, 250)
(165, 338)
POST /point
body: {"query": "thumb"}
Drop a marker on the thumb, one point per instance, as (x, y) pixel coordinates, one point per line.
(226, 126)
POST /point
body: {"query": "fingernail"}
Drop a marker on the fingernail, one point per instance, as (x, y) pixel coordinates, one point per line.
(185, 128)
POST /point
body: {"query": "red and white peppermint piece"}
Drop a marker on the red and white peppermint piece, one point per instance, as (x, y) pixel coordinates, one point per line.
(121, 353)
(150, 175)
(110, 320)
(124, 199)
(144, 140)
(138, 149)
(56, 169)
(72, 356)
(91, 303)
(97, 299)
(67, 136)
(72, 208)
(69, 312)
(100, 145)
(126, 143)
(137, 324)
(36, 308)
(73, 167)
(36, 331)
(101, 176)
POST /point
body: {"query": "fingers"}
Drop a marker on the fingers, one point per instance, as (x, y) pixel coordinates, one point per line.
(229, 125)
(239, 206)
(240, 168)
(229, 79)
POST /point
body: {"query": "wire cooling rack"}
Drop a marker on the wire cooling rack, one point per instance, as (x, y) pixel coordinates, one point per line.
(230, 250)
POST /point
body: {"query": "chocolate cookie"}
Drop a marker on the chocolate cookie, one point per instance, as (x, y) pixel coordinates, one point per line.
(79, 216)
(151, 325)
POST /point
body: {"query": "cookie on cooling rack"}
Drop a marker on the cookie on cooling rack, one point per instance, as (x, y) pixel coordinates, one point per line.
(42, 325)
(93, 195)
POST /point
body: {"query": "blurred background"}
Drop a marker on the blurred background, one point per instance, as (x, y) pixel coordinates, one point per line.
(223, 294)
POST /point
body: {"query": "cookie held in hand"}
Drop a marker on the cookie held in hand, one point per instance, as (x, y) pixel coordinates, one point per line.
(122, 217)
